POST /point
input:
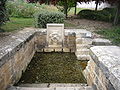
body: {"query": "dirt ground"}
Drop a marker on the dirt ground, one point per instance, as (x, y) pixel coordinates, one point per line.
(89, 25)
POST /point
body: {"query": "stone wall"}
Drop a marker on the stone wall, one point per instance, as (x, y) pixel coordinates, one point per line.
(69, 44)
(15, 58)
(17, 50)
(103, 69)
(83, 41)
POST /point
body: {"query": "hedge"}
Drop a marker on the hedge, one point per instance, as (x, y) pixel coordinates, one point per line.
(107, 14)
(44, 17)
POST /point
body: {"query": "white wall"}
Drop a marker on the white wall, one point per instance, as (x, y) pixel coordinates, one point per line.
(92, 5)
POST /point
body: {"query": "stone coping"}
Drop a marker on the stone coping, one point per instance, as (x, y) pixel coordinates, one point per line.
(108, 59)
(101, 42)
(12, 43)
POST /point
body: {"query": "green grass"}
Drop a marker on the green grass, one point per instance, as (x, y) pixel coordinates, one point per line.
(71, 12)
(17, 24)
(54, 68)
(20, 23)
(112, 34)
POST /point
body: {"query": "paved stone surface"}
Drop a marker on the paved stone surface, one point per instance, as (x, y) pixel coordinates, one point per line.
(107, 59)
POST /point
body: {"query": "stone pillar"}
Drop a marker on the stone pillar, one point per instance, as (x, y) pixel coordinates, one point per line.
(82, 50)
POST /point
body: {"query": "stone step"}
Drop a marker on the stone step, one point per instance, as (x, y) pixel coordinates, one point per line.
(44, 85)
(82, 50)
(54, 49)
(83, 57)
(82, 46)
(51, 88)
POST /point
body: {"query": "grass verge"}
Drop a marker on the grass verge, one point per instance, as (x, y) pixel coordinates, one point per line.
(71, 12)
(112, 34)
(17, 24)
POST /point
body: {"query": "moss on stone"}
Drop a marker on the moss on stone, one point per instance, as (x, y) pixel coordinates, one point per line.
(54, 68)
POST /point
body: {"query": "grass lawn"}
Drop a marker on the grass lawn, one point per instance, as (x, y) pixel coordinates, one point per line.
(17, 24)
(71, 12)
(112, 34)
(20, 23)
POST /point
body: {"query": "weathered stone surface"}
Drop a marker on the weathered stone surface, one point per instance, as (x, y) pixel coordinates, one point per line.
(100, 41)
(83, 39)
(53, 86)
(107, 59)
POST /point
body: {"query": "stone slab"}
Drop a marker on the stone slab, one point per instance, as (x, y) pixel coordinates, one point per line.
(55, 34)
(107, 59)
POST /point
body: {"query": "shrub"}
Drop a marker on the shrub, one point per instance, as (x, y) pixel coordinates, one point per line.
(21, 9)
(3, 13)
(94, 15)
(44, 17)
(111, 11)
(107, 14)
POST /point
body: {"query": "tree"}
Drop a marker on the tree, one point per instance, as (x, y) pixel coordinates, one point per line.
(75, 7)
(97, 2)
(117, 4)
(116, 19)
(65, 6)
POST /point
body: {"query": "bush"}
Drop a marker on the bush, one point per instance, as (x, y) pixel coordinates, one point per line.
(111, 11)
(3, 13)
(94, 15)
(107, 14)
(44, 17)
(21, 9)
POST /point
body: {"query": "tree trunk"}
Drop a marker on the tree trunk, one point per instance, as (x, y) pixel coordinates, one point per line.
(116, 19)
(75, 8)
(65, 8)
(97, 2)
(48, 2)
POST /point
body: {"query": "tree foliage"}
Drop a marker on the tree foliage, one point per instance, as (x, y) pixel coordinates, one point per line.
(65, 5)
